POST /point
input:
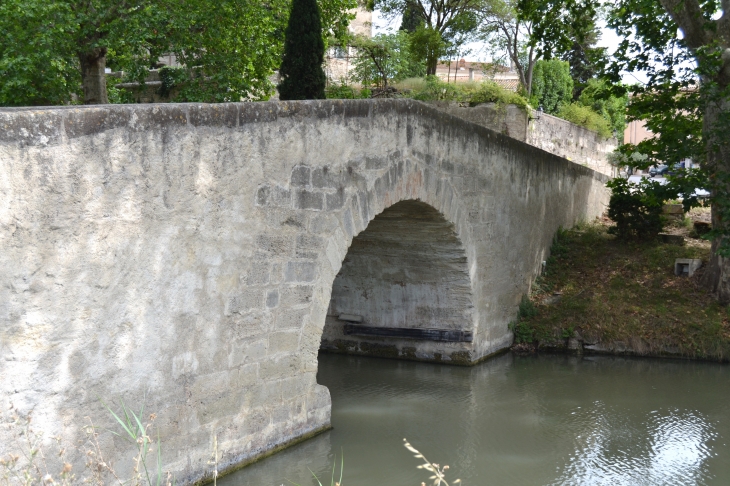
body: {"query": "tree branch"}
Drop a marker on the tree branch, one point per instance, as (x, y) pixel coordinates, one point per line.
(688, 16)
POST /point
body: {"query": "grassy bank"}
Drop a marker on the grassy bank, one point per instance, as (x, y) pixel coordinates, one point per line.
(602, 295)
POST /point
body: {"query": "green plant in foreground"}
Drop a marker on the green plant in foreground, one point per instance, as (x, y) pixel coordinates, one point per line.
(137, 433)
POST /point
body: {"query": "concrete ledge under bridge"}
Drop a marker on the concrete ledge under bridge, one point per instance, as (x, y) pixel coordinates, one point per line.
(186, 255)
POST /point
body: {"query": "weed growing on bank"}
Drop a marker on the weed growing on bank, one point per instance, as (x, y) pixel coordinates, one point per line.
(602, 290)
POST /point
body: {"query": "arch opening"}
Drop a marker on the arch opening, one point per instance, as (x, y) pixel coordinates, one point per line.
(403, 290)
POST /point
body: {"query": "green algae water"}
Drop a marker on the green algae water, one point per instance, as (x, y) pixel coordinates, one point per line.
(537, 420)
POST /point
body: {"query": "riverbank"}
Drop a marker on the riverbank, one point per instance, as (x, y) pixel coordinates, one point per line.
(604, 296)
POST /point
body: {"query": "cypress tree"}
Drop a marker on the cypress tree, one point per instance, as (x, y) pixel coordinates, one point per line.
(302, 77)
(411, 17)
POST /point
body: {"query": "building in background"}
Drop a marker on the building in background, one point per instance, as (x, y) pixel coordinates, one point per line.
(463, 71)
(338, 59)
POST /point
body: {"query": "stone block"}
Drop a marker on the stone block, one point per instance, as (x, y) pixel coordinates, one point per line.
(300, 272)
(283, 342)
(279, 367)
(672, 239)
(336, 200)
(305, 199)
(262, 195)
(309, 246)
(280, 197)
(301, 176)
(686, 266)
(290, 318)
(258, 273)
(326, 177)
(272, 298)
(245, 301)
(274, 245)
(296, 295)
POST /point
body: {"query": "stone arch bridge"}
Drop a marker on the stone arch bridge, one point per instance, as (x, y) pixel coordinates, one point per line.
(197, 257)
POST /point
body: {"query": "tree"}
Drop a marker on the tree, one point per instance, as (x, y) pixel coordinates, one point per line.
(384, 58)
(447, 18)
(37, 61)
(585, 59)
(530, 30)
(301, 71)
(552, 85)
(56, 51)
(411, 19)
(600, 97)
(427, 46)
(686, 101)
(229, 48)
(503, 28)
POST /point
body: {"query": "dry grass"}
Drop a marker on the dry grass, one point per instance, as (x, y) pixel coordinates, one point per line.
(609, 291)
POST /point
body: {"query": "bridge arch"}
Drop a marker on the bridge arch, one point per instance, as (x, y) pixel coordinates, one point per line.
(404, 290)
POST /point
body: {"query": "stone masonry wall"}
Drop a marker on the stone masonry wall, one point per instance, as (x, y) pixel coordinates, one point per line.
(184, 256)
(549, 133)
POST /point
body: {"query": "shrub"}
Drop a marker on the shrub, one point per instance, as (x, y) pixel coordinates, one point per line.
(585, 117)
(340, 91)
(433, 89)
(635, 208)
(491, 92)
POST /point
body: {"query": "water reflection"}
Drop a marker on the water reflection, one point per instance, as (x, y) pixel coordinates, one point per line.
(547, 420)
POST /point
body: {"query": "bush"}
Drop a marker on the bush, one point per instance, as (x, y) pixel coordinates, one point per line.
(491, 92)
(635, 208)
(341, 91)
(433, 89)
(585, 117)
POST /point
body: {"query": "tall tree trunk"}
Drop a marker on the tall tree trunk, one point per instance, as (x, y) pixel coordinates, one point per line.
(93, 77)
(716, 277)
(431, 65)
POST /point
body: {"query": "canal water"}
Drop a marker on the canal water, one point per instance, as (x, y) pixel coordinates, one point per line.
(536, 420)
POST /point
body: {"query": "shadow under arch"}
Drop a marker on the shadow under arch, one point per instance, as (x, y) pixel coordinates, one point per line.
(403, 290)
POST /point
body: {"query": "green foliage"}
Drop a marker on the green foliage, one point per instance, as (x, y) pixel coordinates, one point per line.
(636, 208)
(170, 78)
(585, 117)
(412, 19)
(491, 92)
(134, 431)
(599, 96)
(433, 89)
(522, 330)
(682, 46)
(344, 91)
(38, 64)
(384, 58)
(426, 46)
(527, 309)
(301, 71)
(552, 86)
(230, 47)
(437, 90)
